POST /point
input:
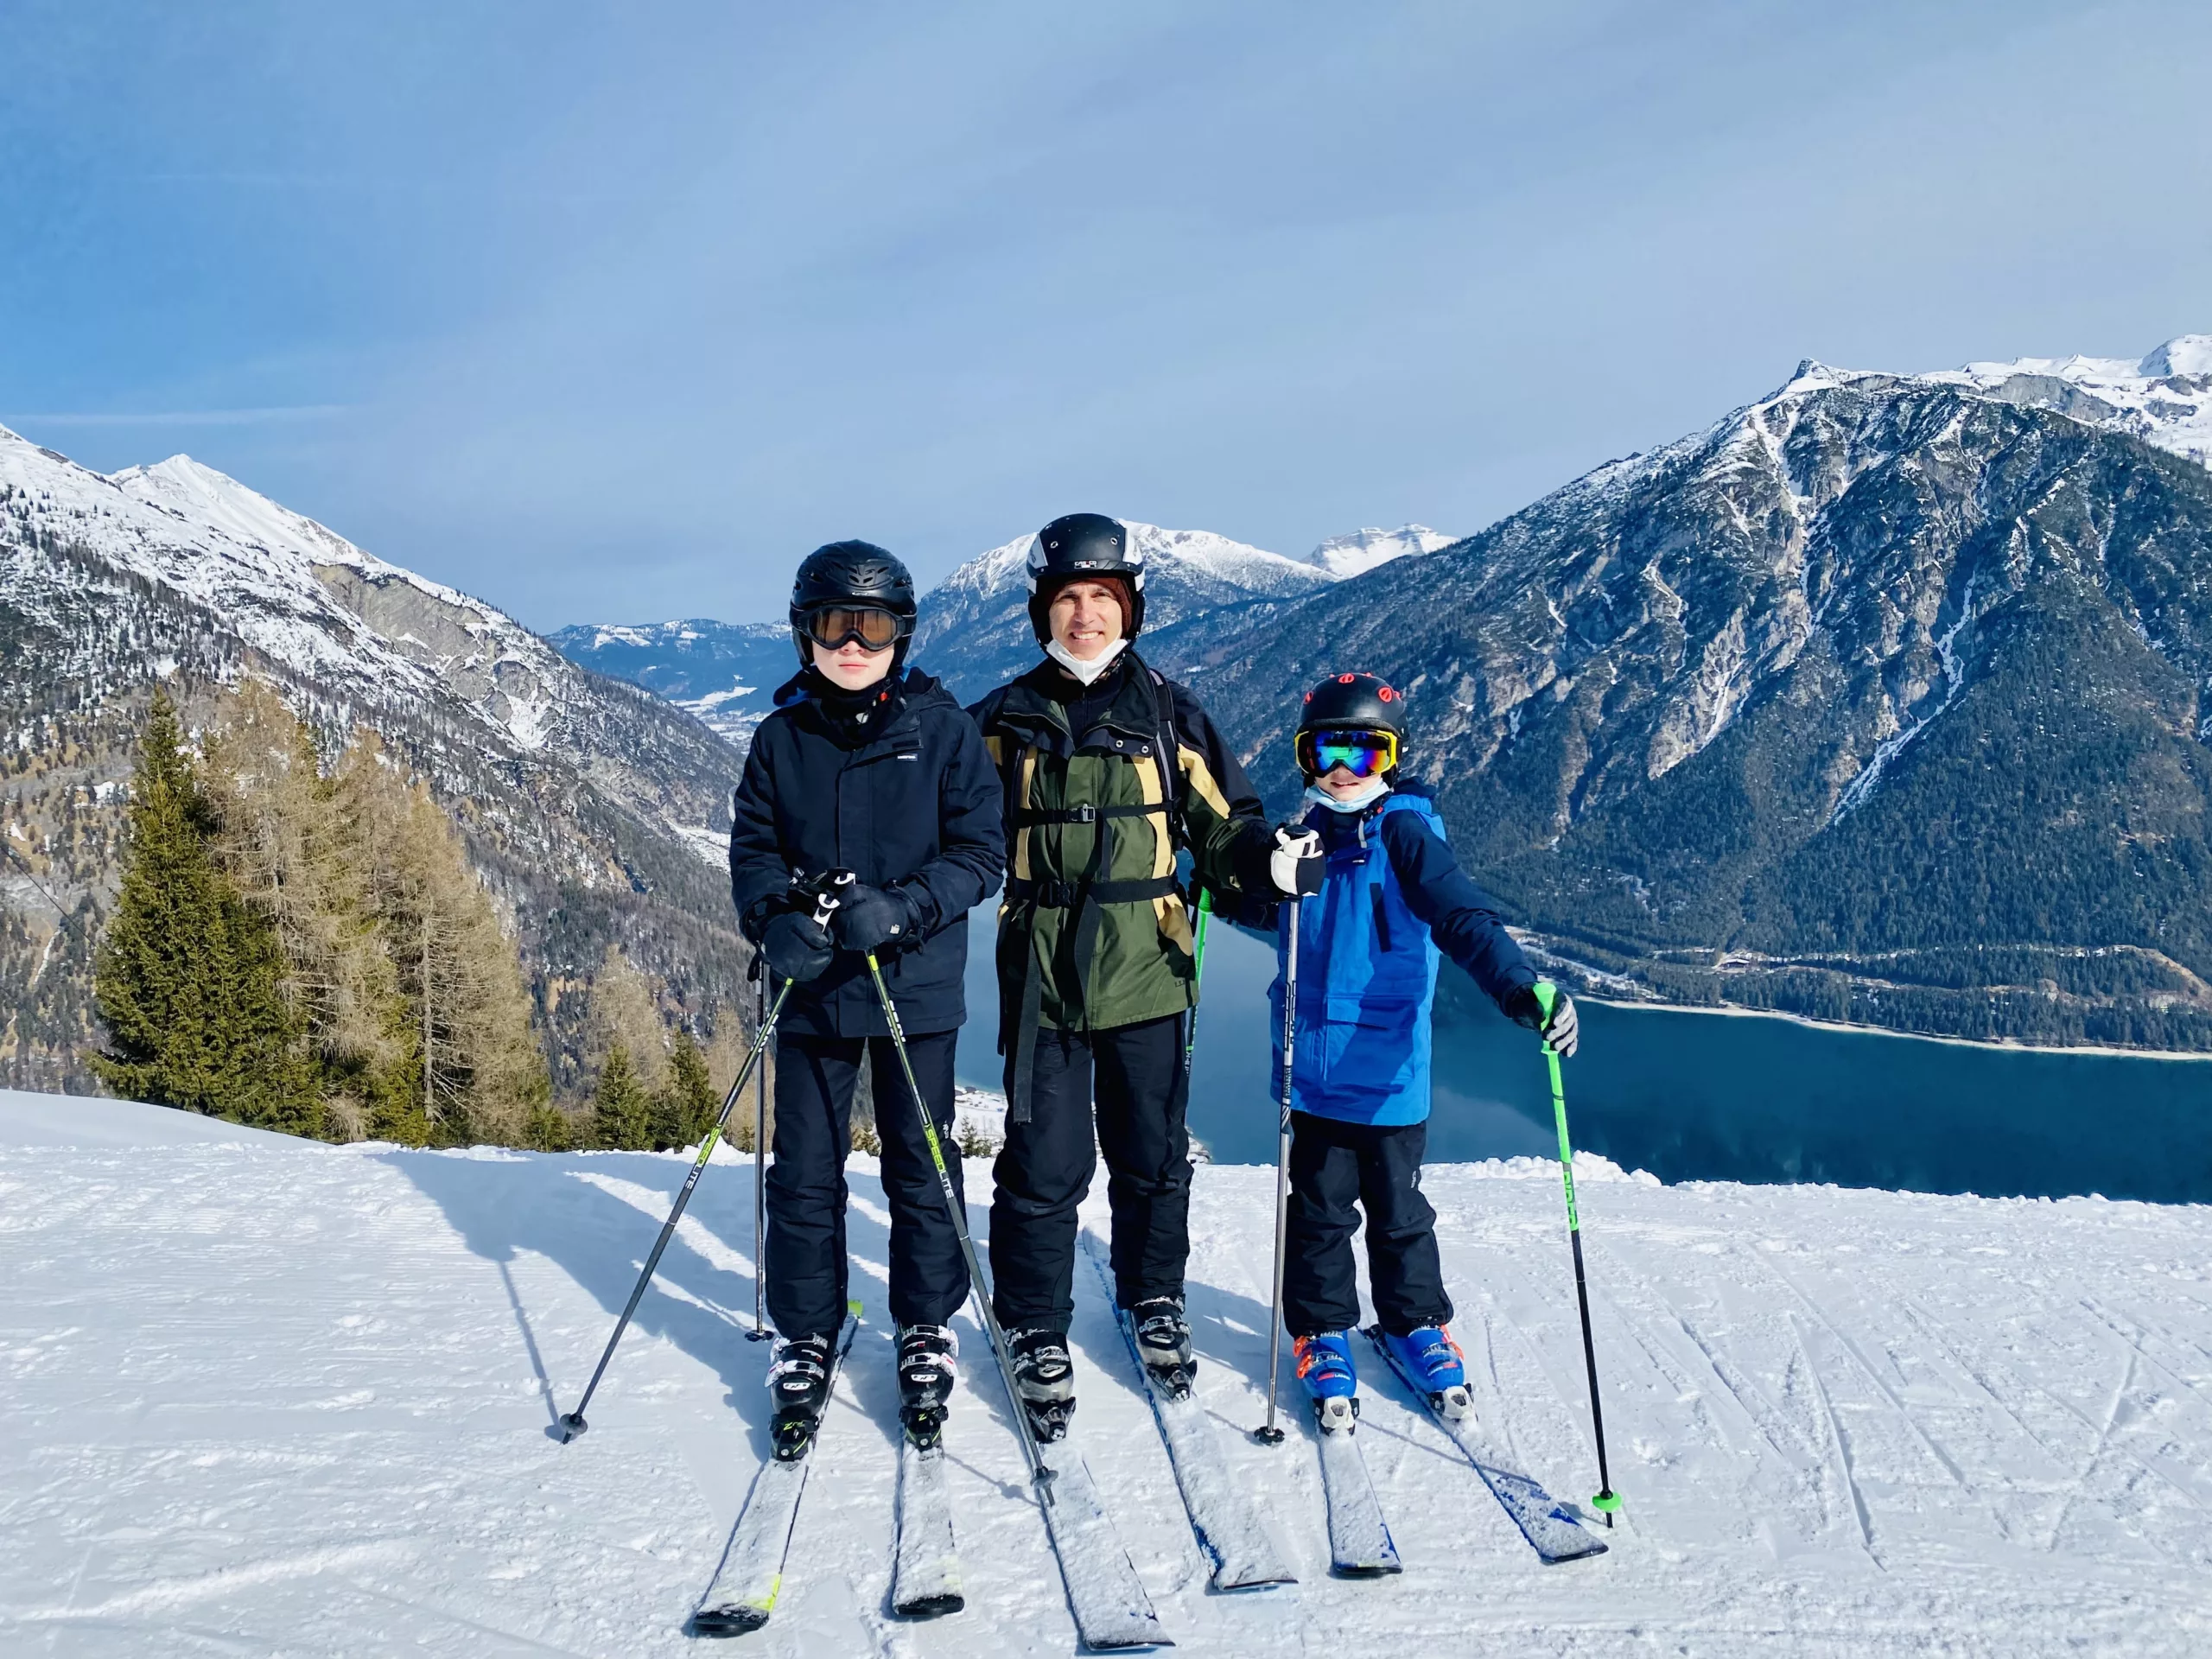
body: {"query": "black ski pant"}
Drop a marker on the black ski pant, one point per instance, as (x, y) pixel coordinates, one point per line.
(1334, 1165)
(1044, 1171)
(806, 1266)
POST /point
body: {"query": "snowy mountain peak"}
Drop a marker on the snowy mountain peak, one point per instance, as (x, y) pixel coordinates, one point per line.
(2190, 354)
(1201, 550)
(2164, 397)
(1362, 551)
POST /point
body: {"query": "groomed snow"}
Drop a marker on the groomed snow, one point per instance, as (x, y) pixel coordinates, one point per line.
(268, 1396)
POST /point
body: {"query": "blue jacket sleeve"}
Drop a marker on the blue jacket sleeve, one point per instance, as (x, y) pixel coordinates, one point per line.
(1460, 915)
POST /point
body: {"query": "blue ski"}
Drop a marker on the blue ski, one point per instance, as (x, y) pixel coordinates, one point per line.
(1551, 1529)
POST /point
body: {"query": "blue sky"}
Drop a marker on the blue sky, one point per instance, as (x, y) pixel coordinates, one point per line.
(611, 313)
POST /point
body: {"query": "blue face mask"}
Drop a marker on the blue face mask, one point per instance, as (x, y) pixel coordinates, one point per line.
(1376, 790)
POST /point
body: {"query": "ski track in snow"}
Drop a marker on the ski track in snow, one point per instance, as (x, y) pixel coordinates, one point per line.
(267, 1396)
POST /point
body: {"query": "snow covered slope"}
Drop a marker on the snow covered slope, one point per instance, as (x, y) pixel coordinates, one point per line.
(2164, 397)
(267, 1396)
(1362, 551)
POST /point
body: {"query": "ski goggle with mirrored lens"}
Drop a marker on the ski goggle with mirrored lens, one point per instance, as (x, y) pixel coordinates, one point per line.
(1361, 753)
(874, 627)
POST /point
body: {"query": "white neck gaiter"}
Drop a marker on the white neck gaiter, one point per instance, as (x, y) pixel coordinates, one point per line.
(1376, 790)
(1086, 673)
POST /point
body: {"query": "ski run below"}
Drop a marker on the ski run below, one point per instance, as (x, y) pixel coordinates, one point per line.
(265, 1396)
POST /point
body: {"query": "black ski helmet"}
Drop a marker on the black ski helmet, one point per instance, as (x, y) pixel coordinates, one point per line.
(1360, 702)
(1357, 703)
(852, 573)
(1083, 545)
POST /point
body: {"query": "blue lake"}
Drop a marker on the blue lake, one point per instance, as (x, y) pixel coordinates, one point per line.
(1702, 1096)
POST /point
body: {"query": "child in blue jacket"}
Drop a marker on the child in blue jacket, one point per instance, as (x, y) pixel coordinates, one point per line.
(1384, 900)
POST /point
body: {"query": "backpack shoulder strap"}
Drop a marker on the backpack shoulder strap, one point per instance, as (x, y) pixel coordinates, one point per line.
(1167, 749)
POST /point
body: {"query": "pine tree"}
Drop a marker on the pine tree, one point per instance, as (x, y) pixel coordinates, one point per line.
(549, 1130)
(475, 1070)
(188, 976)
(687, 1105)
(288, 843)
(621, 1110)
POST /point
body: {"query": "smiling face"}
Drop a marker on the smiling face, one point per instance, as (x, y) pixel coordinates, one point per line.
(1339, 782)
(851, 665)
(1086, 619)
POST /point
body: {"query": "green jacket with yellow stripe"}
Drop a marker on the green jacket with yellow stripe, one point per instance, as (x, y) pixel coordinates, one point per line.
(1095, 931)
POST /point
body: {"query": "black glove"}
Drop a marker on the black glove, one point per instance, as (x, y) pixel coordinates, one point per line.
(868, 918)
(1296, 866)
(796, 945)
(1562, 1031)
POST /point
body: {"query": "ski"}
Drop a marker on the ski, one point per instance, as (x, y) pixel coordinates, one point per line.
(1551, 1529)
(925, 1571)
(1359, 1539)
(1104, 1593)
(1223, 1516)
(746, 1585)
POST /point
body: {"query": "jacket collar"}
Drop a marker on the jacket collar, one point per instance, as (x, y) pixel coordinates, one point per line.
(1040, 697)
(856, 719)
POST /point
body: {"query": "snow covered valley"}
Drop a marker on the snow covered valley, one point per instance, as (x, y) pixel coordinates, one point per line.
(266, 1396)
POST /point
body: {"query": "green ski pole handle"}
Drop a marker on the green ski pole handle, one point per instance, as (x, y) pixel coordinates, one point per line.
(1197, 976)
(1607, 1501)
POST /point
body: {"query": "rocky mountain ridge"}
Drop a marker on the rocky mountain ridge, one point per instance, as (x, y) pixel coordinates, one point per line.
(1882, 699)
(591, 805)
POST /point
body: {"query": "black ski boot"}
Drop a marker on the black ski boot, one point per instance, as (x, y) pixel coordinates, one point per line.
(927, 1355)
(1044, 1377)
(799, 1383)
(1164, 1343)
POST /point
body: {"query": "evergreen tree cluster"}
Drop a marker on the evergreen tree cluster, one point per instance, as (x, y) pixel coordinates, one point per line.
(306, 950)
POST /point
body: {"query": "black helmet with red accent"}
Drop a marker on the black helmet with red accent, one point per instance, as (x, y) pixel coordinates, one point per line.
(1341, 711)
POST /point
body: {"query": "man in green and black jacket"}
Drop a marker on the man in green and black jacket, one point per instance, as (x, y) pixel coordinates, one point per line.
(1110, 769)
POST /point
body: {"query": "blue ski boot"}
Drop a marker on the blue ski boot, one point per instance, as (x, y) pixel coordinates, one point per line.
(1433, 1367)
(1325, 1367)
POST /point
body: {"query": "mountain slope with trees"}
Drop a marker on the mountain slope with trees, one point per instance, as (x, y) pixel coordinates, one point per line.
(1881, 700)
(591, 811)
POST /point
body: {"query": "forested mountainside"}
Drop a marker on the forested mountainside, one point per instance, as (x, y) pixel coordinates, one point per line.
(589, 807)
(1881, 700)
(726, 673)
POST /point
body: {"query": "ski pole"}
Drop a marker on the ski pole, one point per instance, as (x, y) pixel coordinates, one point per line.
(573, 1424)
(759, 1332)
(1607, 1500)
(1268, 1434)
(1040, 1474)
(1197, 975)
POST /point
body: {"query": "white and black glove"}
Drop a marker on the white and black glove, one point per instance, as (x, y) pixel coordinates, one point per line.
(1296, 864)
(1562, 1031)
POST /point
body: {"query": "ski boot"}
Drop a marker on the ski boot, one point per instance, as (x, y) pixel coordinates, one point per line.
(1044, 1377)
(1431, 1363)
(799, 1383)
(927, 1356)
(1325, 1367)
(1164, 1343)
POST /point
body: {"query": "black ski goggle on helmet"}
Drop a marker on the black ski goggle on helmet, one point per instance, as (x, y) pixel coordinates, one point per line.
(875, 628)
(1362, 754)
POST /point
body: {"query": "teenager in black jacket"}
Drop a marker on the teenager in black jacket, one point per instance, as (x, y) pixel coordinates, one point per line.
(869, 767)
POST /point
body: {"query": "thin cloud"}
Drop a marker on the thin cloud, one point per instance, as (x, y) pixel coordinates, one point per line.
(269, 416)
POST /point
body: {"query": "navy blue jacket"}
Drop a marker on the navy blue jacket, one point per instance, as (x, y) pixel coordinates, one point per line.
(896, 787)
(1393, 901)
